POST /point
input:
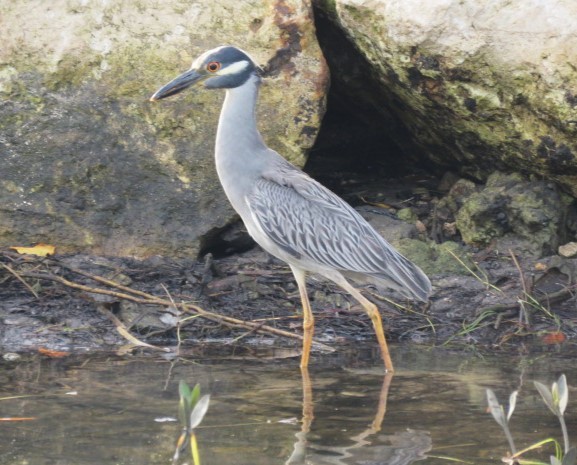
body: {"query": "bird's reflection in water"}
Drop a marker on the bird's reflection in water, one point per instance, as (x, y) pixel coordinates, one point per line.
(400, 448)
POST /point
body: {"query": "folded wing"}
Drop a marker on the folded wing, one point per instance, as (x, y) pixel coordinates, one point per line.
(312, 224)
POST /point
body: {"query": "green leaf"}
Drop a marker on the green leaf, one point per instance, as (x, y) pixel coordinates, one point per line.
(496, 409)
(184, 405)
(563, 393)
(547, 397)
(199, 411)
(194, 396)
(183, 390)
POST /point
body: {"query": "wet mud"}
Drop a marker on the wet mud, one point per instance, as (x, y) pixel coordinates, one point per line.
(490, 313)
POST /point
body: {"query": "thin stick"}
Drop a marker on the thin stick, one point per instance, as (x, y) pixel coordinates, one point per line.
(19, 278)
(148, 299)
(100, 279)
(524, 313)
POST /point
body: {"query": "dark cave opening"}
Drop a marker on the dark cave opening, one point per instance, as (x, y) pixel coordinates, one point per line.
(354, 141)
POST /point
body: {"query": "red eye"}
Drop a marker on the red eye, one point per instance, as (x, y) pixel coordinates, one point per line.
(213, 66)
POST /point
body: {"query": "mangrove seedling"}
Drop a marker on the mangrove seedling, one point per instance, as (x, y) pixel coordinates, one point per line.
(556, 400)
(498, 413)
(191, 410)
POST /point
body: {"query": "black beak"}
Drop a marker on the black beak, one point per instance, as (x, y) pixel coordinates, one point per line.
(178, 84)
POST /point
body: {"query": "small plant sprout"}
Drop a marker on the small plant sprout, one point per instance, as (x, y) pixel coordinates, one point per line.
(556, 400)
(498, 413)
(191, 410)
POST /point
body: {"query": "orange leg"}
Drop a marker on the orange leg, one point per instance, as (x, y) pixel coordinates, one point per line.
(308, 318)
(375, 317)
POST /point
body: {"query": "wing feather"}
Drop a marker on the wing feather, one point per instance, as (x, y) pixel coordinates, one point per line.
(311, 223)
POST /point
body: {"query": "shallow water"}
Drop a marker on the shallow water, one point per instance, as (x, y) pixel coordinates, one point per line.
(106, 410)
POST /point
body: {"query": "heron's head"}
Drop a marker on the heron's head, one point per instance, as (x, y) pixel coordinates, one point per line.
(221, 68)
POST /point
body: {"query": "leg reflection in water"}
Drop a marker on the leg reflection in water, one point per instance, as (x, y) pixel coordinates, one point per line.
(331, 454)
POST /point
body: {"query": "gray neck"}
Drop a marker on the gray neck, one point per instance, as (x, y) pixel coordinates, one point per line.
(237, 129)
(240, 152)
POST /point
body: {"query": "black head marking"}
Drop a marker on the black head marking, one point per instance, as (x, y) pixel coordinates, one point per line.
(226, 67)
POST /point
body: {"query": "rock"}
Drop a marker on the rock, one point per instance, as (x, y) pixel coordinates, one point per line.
(144, 317)
(433, 259)
(11, 357)
(391, 228)
(568, 250)
(444, 225)
(552, 279)
(563, 266)
(447, 181)
(511, 207)
(437, 259)
(89, 164)
(476, 86)
(408, 215)
(450, 204)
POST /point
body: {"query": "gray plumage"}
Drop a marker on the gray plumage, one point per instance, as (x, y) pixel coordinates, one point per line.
(288, 213)
(321, 232)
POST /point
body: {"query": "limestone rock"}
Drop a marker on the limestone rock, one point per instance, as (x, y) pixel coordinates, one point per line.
(446, 258)
(88, 163)
(450, 204)
(434, 259)
(393, 229)
(568, 250)
(510, 206)
(476, 86)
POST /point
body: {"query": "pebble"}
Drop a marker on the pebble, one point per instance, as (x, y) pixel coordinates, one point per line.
(568, 250)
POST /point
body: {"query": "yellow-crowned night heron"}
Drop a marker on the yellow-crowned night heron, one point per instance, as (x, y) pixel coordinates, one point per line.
(289, 214)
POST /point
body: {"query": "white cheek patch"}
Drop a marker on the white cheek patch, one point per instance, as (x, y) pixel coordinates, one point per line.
(234, 68)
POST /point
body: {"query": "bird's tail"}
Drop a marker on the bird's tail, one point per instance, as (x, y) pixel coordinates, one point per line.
(402, 276)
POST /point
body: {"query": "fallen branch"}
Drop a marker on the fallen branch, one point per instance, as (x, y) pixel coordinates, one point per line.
(144, 298)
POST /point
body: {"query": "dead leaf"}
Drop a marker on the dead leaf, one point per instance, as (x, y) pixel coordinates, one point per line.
(556, 337)
(41, 250)
(52, 353)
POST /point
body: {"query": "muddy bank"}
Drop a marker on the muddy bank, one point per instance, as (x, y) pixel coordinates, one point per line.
(485, 312)
(497, 294)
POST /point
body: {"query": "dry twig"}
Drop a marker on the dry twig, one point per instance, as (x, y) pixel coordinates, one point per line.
(19, 278)
(122, 292)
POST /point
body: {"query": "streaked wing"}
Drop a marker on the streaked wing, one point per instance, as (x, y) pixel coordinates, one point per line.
(312, 224)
